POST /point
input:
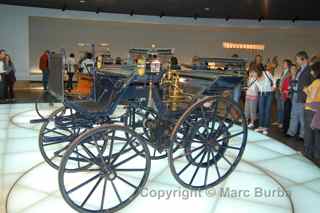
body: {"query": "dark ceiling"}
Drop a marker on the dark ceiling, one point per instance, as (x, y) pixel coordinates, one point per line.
(239, 9)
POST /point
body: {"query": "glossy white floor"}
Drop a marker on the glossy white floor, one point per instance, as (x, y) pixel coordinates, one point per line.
(267, 166)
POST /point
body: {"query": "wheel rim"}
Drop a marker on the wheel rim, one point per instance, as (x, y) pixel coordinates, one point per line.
(210, 138)
(54, 139)
(112, 182)
(45, 105)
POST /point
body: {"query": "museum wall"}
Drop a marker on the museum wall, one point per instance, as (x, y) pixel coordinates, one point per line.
(26, 32)
(188, 41)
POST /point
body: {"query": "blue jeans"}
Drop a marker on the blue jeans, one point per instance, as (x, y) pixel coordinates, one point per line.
(45, 79)
(296, 118)
(280, 107)
(265, 101)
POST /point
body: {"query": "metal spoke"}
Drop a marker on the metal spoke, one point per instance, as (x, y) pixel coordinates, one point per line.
(103, 193)
(193, 160)
(56, 153)
(99, 151)
(122, 149)
(116, 191)
(53, 143)
(207, 169)
(85, 158)
(185, 153)
(111, 146)
(230, 136)
(88, 151)
(126, 160)
(198, 167)
(127, 182)
(216, 164)
(130, 170)
(91, 192)
(83, 184)
(53, 130)
(78, 157)
(226, 159)
(230, 147)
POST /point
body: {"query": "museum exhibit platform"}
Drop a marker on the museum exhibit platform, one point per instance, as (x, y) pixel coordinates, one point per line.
(271, 177)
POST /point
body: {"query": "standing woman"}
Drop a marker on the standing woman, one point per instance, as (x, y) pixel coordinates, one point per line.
(279, 76)
(286, 94)
(251, 100)
(265, 87)
(312, 116)
(10, 78)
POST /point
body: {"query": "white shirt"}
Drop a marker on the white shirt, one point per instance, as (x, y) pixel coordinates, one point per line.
(252, 87)
(87, 66)
(2, 67)
(264, 85)
(71, 62)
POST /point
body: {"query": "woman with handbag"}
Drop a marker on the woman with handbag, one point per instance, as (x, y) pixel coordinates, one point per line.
(265, 88)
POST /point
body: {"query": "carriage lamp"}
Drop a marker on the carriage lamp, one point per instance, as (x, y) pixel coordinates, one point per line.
(141, 67)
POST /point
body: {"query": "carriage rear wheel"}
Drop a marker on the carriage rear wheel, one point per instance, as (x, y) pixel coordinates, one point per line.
(54, 139)
(210, 138)
(117, 175)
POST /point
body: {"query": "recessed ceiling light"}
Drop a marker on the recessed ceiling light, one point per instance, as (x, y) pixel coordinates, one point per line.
(83, 1)
(104, 44)
(207, 9)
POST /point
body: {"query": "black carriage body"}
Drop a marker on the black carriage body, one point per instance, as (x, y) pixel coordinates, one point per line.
(188, 121)
(127, 86)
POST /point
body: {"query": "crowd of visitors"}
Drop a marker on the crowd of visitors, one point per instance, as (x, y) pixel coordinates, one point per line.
(72, 67)
(293, 88)
(295, 91)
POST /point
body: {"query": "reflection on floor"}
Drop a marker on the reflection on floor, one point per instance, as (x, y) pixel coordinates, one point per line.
(266, 165)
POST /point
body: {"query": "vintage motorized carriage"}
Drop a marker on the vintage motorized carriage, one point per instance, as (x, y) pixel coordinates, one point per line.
(103, 146)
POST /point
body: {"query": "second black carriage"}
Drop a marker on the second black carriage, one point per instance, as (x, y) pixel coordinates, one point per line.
(103, 148)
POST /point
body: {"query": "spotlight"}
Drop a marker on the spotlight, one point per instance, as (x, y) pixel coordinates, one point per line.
(162, 14)
(195, 16)
(98, 11)
(132, 13)
(227, 18)
(260, 18)
(296, 18)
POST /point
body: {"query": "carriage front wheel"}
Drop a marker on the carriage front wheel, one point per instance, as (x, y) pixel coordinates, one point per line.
(117, 175)
(207, 143)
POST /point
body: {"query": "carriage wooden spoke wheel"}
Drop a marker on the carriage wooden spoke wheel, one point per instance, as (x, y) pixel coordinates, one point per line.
(210, 138)
(56, 133)
(117, 174)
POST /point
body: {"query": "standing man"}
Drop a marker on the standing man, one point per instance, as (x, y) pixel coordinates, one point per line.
(71, 69)
(303, 79)
(44, 67)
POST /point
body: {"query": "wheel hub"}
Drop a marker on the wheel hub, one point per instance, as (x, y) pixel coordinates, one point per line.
(109, 173)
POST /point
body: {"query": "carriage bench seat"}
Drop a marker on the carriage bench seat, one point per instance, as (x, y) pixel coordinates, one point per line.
(87, 106)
